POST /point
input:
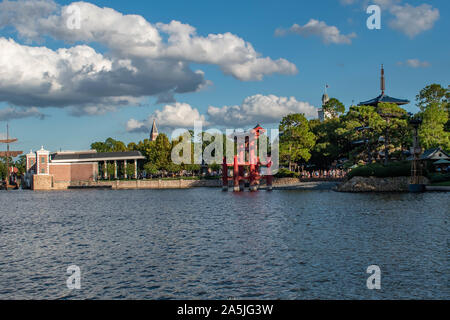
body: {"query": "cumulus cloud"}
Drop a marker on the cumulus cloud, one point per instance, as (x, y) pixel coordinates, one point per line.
(255, 109)
(412, 20)
(259, 108)
(407, 19)
(176, 115)
(414, 63)
(10, 113)
(142, 58)
(328, 34)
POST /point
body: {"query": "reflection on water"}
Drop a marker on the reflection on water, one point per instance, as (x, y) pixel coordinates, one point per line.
(204, 244)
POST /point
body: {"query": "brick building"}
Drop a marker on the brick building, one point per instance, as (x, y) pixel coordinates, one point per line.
(60, 170)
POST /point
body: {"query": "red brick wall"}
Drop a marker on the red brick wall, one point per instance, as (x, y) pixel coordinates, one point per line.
(73, 172)
(82, 171)
(60, 172)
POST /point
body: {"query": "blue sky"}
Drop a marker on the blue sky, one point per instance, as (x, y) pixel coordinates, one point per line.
(350, 69)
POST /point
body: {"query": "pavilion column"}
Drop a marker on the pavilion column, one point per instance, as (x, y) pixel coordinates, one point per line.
(135, 169)
(115, 169)
(105, 173)
(125, 169)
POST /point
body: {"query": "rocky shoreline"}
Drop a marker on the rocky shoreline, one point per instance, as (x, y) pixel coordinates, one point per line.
(374, 184)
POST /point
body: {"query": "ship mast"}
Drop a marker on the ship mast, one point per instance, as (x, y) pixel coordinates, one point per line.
(8, 152)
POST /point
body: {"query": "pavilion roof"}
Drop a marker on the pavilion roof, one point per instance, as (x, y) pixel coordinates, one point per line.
(100, 156)
(382, 98)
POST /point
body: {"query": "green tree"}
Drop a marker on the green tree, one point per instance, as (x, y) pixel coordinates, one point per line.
(110, 145)
(330, 145)
(433, 94)
(396, 129)
(110, 170)
(335, 107)
(2, 168)
(432, 132)
(361, 123)
(130, 170)
(161, 153)
(150, 168)
(296, 139)
(21, 164)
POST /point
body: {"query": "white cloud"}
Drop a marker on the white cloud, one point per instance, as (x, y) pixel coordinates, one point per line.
(406, 18)
(261, 109)
(134, 125)
(81, 77)
(133, 36)
(328, 34)
(10, 113)
(415, 63)
(142, 59)
(176, 115)
(412, 20)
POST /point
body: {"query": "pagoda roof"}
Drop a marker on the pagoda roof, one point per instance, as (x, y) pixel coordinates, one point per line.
(382, 98)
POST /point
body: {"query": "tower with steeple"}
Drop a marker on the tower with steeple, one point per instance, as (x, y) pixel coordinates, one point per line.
(324, 114)
(154, 132)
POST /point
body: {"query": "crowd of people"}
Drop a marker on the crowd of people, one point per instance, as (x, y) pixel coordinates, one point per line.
(324, 174)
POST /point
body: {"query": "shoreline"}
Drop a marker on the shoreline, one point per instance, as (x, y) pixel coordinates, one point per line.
(160, 184)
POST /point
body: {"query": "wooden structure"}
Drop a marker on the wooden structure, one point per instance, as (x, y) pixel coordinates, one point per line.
(7, 154)
(416, 165)
(246, 165)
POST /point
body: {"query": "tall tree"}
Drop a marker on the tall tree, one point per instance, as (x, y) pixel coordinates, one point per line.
(432, 94)
(361, 128)
(330, 146)
(296, 139)
(433, 101)
(432, 132)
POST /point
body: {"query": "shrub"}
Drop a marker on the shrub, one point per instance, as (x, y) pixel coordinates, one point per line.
(439, 177)
(394, 169)
(285, 173)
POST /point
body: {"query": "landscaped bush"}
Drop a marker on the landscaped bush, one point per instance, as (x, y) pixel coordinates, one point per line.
(439, 177)
(285, 173)
(394, 169)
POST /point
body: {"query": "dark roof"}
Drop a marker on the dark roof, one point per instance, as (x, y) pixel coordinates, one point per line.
(442, 161)
(383, 98)
(96, 156)
(428, 153)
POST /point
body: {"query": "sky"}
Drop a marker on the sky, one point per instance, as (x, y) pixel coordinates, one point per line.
(72, 73)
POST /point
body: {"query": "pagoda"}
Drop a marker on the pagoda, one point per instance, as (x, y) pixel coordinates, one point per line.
(383, 98)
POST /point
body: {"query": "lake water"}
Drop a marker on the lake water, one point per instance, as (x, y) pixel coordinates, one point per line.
(207, 244)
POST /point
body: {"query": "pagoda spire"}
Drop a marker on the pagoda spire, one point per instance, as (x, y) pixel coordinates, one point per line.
(383, 83)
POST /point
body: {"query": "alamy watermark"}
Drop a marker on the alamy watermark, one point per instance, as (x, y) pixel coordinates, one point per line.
(74, 280)
(73, 21)
(250, 147)
(374, 21)
(374, 281)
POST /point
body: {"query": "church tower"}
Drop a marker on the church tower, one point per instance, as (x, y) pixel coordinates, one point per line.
(154, 131)
(323, 114)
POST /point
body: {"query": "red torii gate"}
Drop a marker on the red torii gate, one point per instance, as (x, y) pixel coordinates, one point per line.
(247, 146)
